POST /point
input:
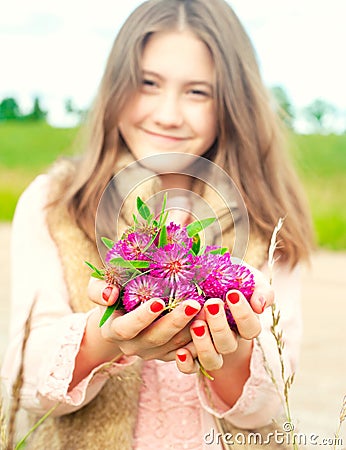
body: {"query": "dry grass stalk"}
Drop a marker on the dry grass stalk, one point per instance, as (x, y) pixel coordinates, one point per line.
(17, 386)
(3, 425)
(342, 418)
(278, 336)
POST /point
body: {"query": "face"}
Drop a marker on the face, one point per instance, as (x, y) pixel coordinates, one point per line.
(174, 108)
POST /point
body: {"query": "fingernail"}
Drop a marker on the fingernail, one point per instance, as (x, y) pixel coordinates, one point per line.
(182, 358)
(106, 293)
(199, 331)
(156, 307)
(190, 310)
(233, 297)
(213, 309)
(262, 302)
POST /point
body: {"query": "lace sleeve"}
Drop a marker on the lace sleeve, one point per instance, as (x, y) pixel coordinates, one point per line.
(56, 332)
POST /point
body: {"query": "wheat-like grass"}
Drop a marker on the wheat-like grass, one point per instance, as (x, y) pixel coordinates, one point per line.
(3, 425)
(342, 418)
(8, 436)
(278, 336)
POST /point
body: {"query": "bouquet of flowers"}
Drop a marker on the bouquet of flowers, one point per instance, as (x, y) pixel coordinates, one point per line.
(156, 259)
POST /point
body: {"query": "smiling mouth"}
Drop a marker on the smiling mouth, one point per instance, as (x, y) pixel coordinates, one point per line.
(165, 136)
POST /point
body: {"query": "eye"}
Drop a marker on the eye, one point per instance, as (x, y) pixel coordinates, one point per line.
(200, 94)
(149, 85)
(148, 82)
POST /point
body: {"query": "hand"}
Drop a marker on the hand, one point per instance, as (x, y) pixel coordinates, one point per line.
(213, 338)
(140, 332)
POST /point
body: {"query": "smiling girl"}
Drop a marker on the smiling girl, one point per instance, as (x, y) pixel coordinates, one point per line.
(181, 78)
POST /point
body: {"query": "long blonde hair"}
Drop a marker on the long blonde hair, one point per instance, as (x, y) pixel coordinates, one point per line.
(250, 146)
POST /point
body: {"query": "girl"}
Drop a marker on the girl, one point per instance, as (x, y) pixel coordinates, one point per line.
(181, 78)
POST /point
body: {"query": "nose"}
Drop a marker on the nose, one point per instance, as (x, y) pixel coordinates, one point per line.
(167, 112)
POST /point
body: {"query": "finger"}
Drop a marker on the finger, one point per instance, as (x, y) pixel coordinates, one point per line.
(167, 351)
(102, 293)
(178, 216)
(131, 324)
(247, 321)
(225, 340)
(186, 363)
(172, 323)
(263, 295)
(207, 354)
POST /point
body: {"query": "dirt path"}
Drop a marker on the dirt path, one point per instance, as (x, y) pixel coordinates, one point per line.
(320, 385)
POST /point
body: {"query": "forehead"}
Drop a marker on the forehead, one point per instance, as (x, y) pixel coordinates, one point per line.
(178, 53)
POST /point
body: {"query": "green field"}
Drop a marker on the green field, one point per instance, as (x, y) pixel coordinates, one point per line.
(28, 149)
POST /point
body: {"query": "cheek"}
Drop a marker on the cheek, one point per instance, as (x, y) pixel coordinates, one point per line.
(206, 124)
(135, 110)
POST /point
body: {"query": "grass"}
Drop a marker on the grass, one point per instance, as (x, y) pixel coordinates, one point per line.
(26, 149)
(321, 164)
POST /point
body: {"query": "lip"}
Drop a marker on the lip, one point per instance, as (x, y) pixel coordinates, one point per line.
(164, 136)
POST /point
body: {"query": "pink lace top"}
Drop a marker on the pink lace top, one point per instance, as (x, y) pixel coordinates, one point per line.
(175, 411)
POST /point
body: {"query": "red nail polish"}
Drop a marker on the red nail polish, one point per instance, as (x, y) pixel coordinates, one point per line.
(182, 358)
(156, 307)
(199, 331)
(233, 297)
(106, 293)
(213, 309)
(190, 310)
(263, 303)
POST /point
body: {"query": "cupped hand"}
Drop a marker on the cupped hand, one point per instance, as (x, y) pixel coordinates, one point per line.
(212, 337)
(142, 332)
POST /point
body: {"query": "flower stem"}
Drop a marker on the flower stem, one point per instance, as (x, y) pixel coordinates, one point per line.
(22, 442)
(204, 372)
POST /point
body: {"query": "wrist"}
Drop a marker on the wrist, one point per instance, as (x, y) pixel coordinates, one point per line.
(94, 350)
(103, 349)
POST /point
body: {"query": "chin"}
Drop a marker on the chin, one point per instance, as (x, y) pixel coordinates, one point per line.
(167, 162)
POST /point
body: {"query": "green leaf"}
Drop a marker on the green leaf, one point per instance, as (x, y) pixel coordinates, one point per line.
(109, 311)
(219, 251)
(196, 245)
(133, 264)
(95, 269)
(199, 225)
(108, 242)
(143, 209)
(199, 289)
(151, 241)
(163, 208)
(163, 236)
(96, 275)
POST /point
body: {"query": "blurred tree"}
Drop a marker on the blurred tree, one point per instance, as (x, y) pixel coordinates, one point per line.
(318, 111)
(37, 112)
(284, 105)
(9, 109)
(70, 108)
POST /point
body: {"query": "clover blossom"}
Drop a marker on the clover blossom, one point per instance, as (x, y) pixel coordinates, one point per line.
(176, 234)
(216, 271)
(115, 275)
(181, 292)
(174, 263)
(134, 246)
(141, 289)
(242, 279)
(153, 259)
(112, 253)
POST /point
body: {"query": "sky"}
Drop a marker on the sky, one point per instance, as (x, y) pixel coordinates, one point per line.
(58, 50)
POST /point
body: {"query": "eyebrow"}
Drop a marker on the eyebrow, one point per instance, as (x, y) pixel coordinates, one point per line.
(189, 83)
